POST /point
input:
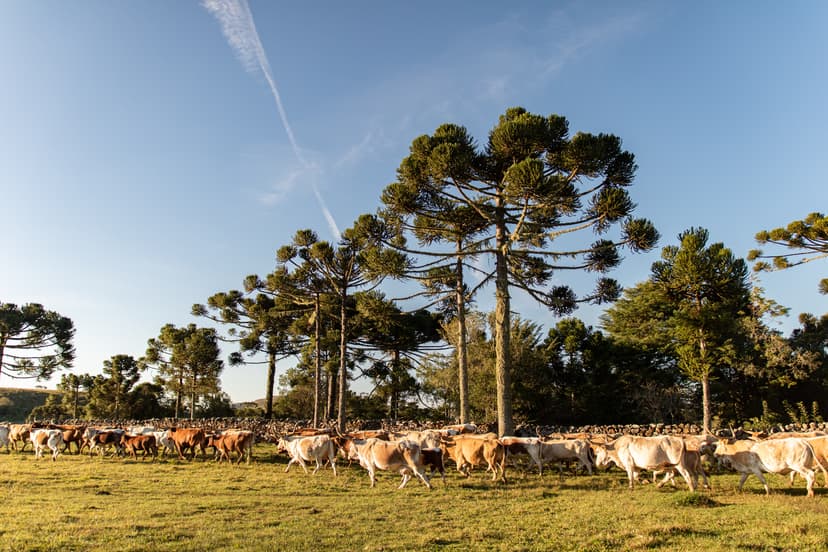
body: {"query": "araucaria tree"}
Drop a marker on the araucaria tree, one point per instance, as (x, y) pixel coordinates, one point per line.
(536, 189)
(257, 322)
(352, 264)
(806, 241)
(707, 288)
(34, 342)
(188, 364)
(110, 398)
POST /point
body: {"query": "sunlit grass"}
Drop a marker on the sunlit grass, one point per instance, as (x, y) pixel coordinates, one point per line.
(78, 503)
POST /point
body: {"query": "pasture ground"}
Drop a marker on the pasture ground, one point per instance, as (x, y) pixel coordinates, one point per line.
(82, 503)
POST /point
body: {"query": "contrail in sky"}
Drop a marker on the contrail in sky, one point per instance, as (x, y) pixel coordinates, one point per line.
(240, 30)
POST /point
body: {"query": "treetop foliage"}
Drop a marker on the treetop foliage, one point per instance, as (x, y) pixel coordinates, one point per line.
(34, 342)
(807, 238)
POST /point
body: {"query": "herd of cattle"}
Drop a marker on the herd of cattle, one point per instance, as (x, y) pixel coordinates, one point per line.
(413, 453)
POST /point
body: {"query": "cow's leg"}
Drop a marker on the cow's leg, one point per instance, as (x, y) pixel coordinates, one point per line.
(302, 463)
(406, 475)
(810, 477)
(631, 476)
(333, 463)
(764, 483)
(687, 477)
(704, 478)
(742, 480)
(291, 461)
(318, 464)
(423, 477)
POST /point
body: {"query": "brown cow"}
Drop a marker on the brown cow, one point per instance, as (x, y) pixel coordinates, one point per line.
(471, 451)
(133, 443)
(234, 440)
(104, 439)
(188, 438)
(71, 434)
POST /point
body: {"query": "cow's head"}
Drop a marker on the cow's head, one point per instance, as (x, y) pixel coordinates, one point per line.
(602, 456)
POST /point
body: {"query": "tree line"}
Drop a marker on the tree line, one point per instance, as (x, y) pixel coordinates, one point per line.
(534, 211)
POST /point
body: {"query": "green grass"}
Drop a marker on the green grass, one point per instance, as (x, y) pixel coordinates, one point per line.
(78, 503)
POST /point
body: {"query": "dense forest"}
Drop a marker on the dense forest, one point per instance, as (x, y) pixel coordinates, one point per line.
(536, 211)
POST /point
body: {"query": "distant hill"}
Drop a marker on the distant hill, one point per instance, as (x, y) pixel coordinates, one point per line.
(16, 404)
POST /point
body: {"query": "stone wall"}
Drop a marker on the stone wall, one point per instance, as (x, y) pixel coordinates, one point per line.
(271, 430)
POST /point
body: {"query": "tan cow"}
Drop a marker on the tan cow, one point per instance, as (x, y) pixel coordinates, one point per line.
(471, 451)
(798, 434)
(462, 429)
(820, 447)
(694, 466)
(19, 433)
(426, 439)
(558, 451)
(632, 454)
(772, 456)
(430, 443)
(402, 456)
(319, 448)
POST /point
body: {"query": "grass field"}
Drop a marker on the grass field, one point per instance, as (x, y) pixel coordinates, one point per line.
(78, 503)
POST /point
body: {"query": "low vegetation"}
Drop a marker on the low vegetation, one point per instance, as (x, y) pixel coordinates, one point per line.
(16, 404)
(83, 503)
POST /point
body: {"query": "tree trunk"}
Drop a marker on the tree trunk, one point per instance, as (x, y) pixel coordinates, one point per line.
(271, 378)
(705, 381)
(317, 368)
(462, 350)
(331, 400)
(343, 372)
(706, 405)
(75, 402)
(505, 426)
(178, 395)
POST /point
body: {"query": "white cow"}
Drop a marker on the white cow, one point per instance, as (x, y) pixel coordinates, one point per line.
(773, 456)
(43, 438)
(164, 440)
(633, 454)
(319, 448)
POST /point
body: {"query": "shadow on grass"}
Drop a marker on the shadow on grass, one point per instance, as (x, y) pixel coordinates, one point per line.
(665, 537)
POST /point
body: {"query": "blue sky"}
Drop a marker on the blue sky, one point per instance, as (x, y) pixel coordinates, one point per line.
(145, 165)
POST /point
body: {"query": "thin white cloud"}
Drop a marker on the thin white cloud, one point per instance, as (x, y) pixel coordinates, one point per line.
(357, 152)
(240, 30)
(581, 39)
